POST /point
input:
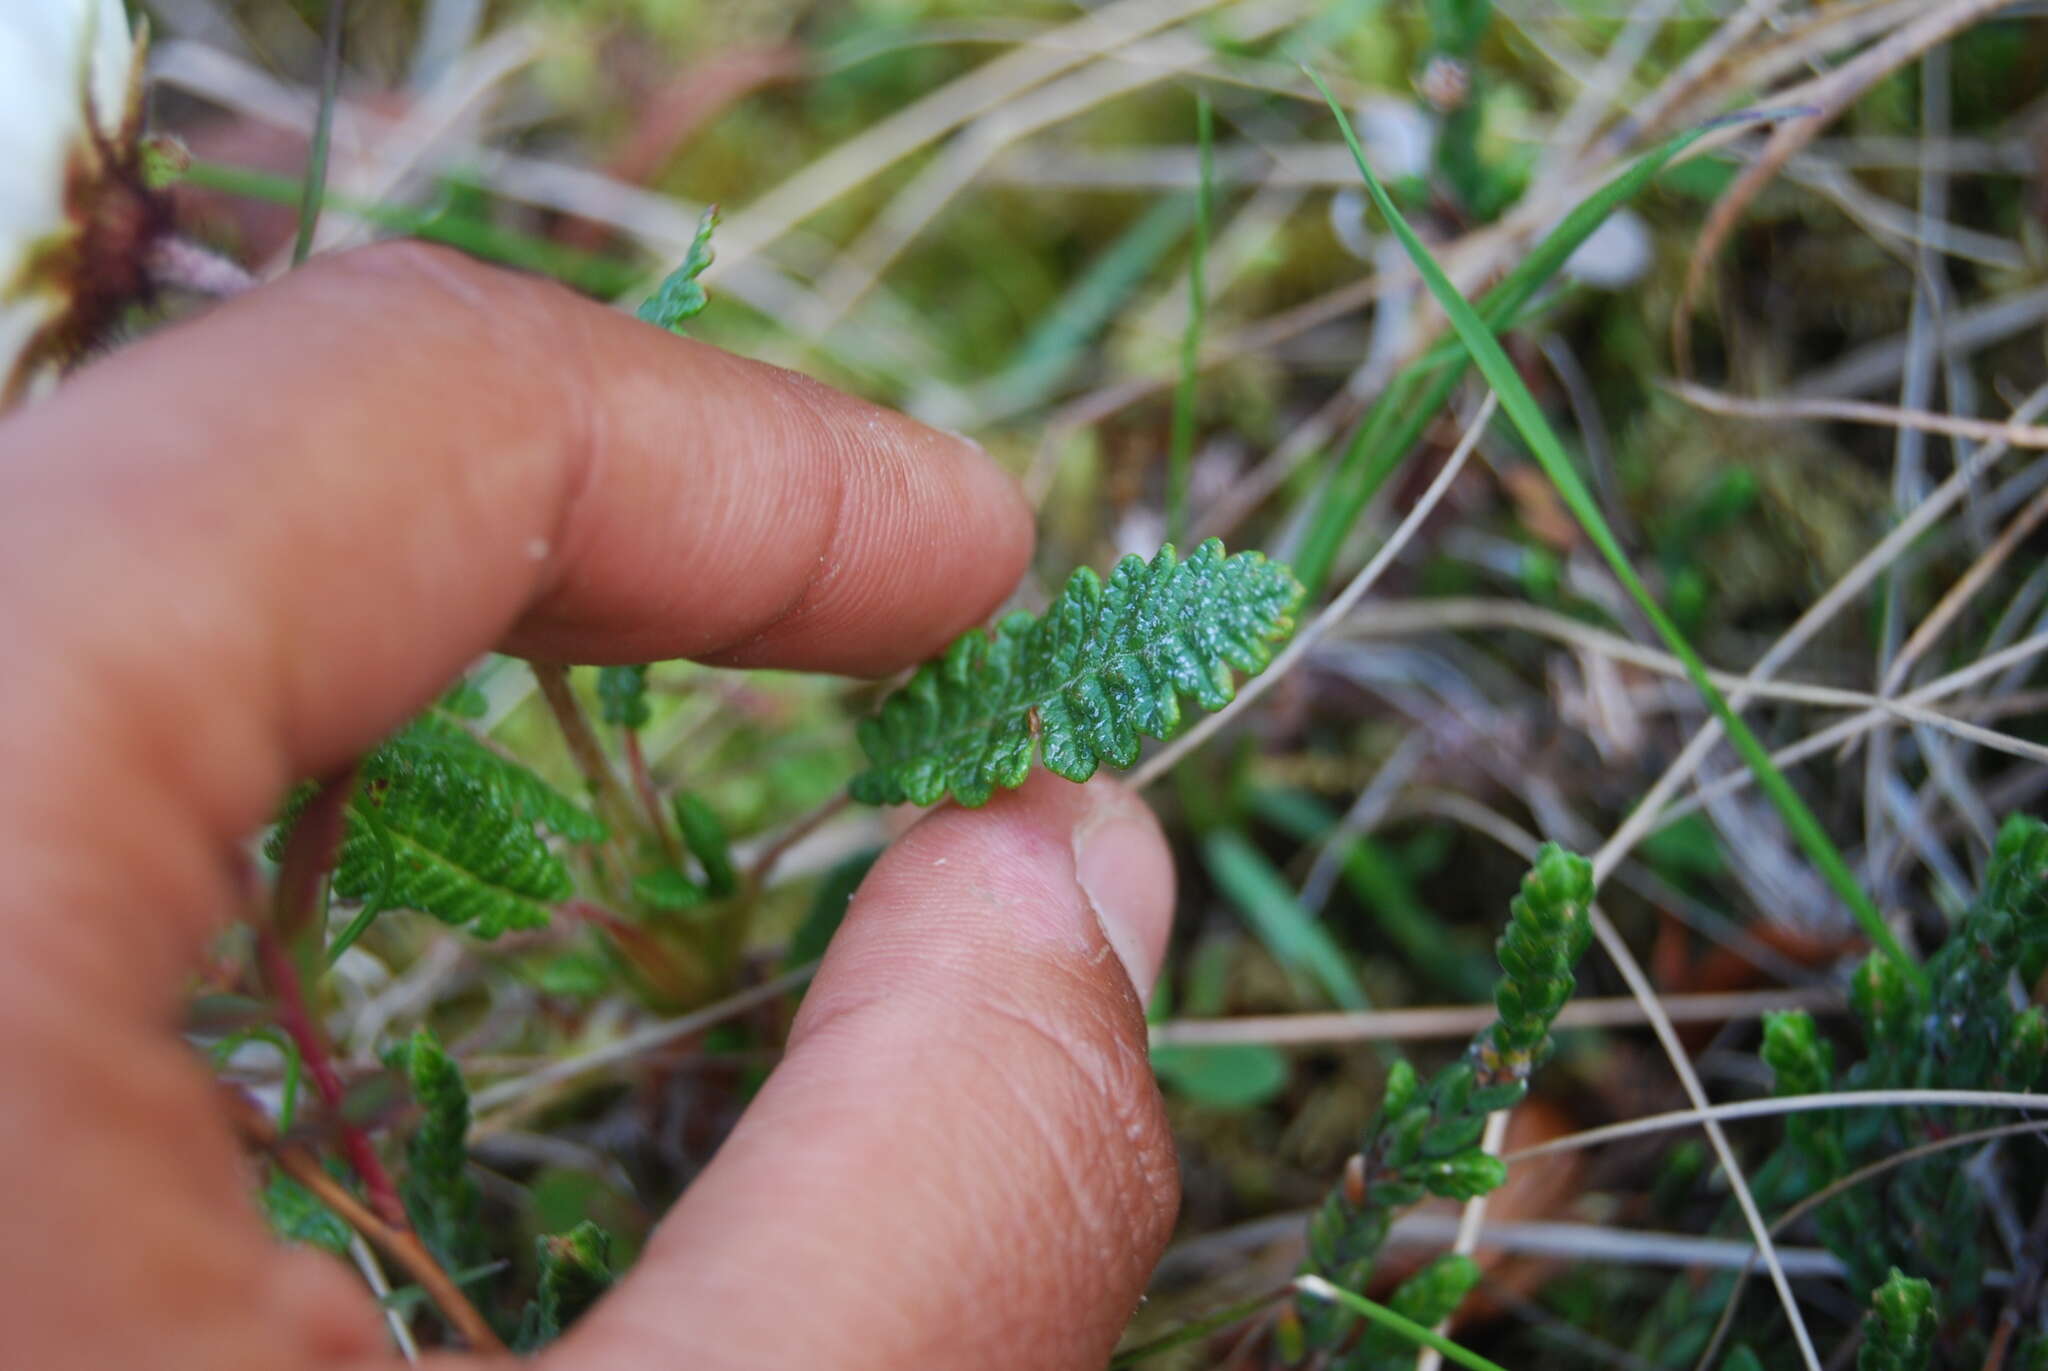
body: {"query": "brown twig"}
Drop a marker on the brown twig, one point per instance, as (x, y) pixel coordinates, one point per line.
(612, 800)
(398, 1243)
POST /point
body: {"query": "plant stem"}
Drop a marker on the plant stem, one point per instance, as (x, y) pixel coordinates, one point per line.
(281, 974)
(1374, 1312)
(652, 958)
(323, 131)
(613, 803)
(650, 798)
(398, 1243)
(764, 865)
(309, 855)
(595, 275)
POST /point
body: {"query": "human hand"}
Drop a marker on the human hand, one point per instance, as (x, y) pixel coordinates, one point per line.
(240, 552)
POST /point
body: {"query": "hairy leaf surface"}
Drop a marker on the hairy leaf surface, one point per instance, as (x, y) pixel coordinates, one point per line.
(1106, 664)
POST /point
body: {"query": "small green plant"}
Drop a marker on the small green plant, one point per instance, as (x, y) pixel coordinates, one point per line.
(1898, 1333)
(575, 1268)
(1425, 1140)
(1924, 1217)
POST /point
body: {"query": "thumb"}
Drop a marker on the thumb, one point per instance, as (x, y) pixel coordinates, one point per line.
(962, 1161)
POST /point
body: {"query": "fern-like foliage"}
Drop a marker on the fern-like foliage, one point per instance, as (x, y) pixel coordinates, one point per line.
(1106, 664)
(1425, 1140)
(680, 296)
(441, 1198)
(1899, 1330)
(441, 824)
(575, 1268)
(1925, 1219)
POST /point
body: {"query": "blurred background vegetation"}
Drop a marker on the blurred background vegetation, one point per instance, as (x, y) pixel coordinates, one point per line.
(987, 216)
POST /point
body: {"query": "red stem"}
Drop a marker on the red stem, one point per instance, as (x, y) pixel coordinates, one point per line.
(299, 1024)
(309, 853)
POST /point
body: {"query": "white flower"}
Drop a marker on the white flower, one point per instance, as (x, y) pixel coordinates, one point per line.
(69, 130)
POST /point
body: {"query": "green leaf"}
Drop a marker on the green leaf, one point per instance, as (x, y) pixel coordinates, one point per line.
(668, 890)
(828, 908)
(622, 696)
(680, 297)
(1549, 925)
(297, 1215)
(1898, 1332)
(1801, 1062)
(1106, 664)
(1230, 1076)
(575, 1268)
(704, 834)
(441, 824)
(1269, 904)
(1527, 415)
(1429, 1297)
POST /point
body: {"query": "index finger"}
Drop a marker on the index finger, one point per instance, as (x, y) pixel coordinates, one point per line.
(321, 501)
(242, 550)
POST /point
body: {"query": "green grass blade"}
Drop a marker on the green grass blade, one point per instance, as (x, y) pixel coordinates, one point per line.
(315, 189)
(1374, 1312)
(600, 276)
(1418, 393)
(1180, 449)
(1056, 343)
(1268, 903)
(1528, 417)
(1383, 890)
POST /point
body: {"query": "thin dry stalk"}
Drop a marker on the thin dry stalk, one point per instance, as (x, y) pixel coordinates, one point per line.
(399, 1244)
(855, 162)
(1966, 587)
(1163, 760)
(1462, 1021)
(1843, 730)
(1777, 1105)
(1832, 94)
(1429, 616)
(2012, 434)
(1649, 812)
(616, 1053)
(855, 271)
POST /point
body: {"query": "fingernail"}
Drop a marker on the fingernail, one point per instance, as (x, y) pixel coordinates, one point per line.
(1116, 861)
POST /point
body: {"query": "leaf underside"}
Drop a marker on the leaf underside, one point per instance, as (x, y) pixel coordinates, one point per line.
(1106, 664)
